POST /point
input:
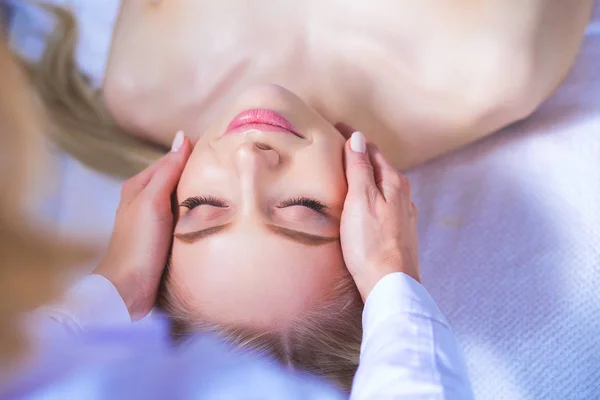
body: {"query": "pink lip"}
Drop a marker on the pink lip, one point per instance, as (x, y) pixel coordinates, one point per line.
(262, 119)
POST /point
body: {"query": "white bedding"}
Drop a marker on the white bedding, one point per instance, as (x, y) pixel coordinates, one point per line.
(509, 229)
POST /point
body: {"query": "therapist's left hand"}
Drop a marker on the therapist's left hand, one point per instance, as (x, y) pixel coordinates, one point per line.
(378, 231)
(143, 231)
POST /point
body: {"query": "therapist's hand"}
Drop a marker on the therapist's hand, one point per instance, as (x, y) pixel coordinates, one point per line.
(143, 231)
(378, 230)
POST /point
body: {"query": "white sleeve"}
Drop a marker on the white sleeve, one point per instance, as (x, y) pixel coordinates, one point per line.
(92, 302)
(408, 349)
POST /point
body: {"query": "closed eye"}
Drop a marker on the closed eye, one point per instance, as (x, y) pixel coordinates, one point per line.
(193, 202)
(313, 204)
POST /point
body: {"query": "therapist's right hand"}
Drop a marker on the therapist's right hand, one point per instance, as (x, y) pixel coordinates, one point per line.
(143, 231)
(378, 230)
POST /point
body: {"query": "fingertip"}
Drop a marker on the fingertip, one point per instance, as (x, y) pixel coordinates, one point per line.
(178, 142)
(182, 144)
(185, 149)
(353, 157)
(357, 151)
(358, 142)
(187, 144)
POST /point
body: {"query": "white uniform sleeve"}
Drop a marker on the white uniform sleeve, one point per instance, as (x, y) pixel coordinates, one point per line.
(408, 349)
(92, 302)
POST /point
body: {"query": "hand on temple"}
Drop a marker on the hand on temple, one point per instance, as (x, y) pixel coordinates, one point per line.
(378, 224)
(141, 238)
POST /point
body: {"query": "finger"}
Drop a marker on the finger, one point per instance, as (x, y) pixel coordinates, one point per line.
(359, 170)
(162, 184)
(345, 129)
(389, 181)
(136, 184)
(372, 149)
(415, 211)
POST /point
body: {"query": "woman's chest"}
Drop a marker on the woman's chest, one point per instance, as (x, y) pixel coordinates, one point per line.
(383, 66)
(209, 50)
(208, 42)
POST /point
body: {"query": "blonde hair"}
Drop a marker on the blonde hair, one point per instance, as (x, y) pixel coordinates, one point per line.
(33, 267)
(325, 341)
(79, 122)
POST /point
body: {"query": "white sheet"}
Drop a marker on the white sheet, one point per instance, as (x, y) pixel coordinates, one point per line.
(509, 230)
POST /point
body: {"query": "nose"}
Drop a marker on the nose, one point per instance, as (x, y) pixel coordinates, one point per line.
(253, 162)
(253, 157)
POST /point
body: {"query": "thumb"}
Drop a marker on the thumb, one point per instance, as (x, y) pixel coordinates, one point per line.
(359, 170)
(165, 179)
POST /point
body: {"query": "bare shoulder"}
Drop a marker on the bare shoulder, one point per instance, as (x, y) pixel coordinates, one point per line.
(454, 71)
(480, 66)
(547, 35)
(153, 63)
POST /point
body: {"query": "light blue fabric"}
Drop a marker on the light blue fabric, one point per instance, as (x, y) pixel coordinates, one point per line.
(138, 362)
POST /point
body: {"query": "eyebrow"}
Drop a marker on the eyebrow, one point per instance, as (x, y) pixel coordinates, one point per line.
(301, 237)
(192, 237)
(305, 238)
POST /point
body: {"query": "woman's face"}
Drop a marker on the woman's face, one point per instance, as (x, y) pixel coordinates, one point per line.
(257, 237)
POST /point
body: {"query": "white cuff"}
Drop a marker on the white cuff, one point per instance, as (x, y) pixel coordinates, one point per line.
(93, 301)
(397, 293)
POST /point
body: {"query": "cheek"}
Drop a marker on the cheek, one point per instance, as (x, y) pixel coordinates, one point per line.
(192, 264)
(202, 174)
(183, 272)
(197, 277)
(324, 170)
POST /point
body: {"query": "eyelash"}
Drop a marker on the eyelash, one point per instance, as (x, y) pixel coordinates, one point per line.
(305, 202)
(194, 202)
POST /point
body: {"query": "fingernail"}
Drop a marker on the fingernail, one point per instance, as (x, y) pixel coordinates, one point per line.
(357, 142)
(178, 141)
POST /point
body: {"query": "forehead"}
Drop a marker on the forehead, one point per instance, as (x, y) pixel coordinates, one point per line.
(253, 277)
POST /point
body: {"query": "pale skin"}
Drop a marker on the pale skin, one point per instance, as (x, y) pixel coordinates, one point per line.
(419, 77)
(249, 273)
